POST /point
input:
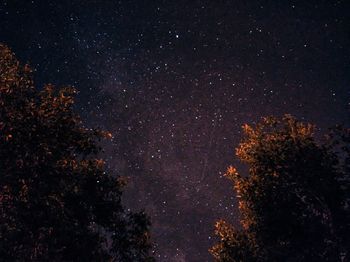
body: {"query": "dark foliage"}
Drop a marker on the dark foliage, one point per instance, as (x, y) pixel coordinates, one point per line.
(293, 203)
(57, 203)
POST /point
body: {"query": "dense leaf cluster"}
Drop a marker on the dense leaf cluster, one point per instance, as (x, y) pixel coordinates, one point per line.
(293, 203)
(56, 201)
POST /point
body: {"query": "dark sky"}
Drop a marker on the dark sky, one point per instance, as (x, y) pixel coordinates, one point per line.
(175, 80)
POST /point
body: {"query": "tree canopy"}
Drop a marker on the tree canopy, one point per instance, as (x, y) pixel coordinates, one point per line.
(57, 202)
(293, 202)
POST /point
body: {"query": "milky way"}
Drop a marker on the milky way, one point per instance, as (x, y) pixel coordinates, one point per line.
(175, 80)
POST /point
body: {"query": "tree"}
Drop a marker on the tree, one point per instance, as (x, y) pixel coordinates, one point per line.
(292, 202)
(57, 202)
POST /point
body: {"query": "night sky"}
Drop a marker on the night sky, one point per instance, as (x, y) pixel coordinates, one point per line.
(175, 80)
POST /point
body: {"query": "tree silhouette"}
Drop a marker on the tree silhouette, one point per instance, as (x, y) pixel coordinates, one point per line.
(292, 203)
(57, 203)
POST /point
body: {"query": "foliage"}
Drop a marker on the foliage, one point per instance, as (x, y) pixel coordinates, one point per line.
(292, 203)
(56, 201)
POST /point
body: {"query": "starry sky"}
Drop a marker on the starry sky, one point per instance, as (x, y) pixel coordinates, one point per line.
(175, 80)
